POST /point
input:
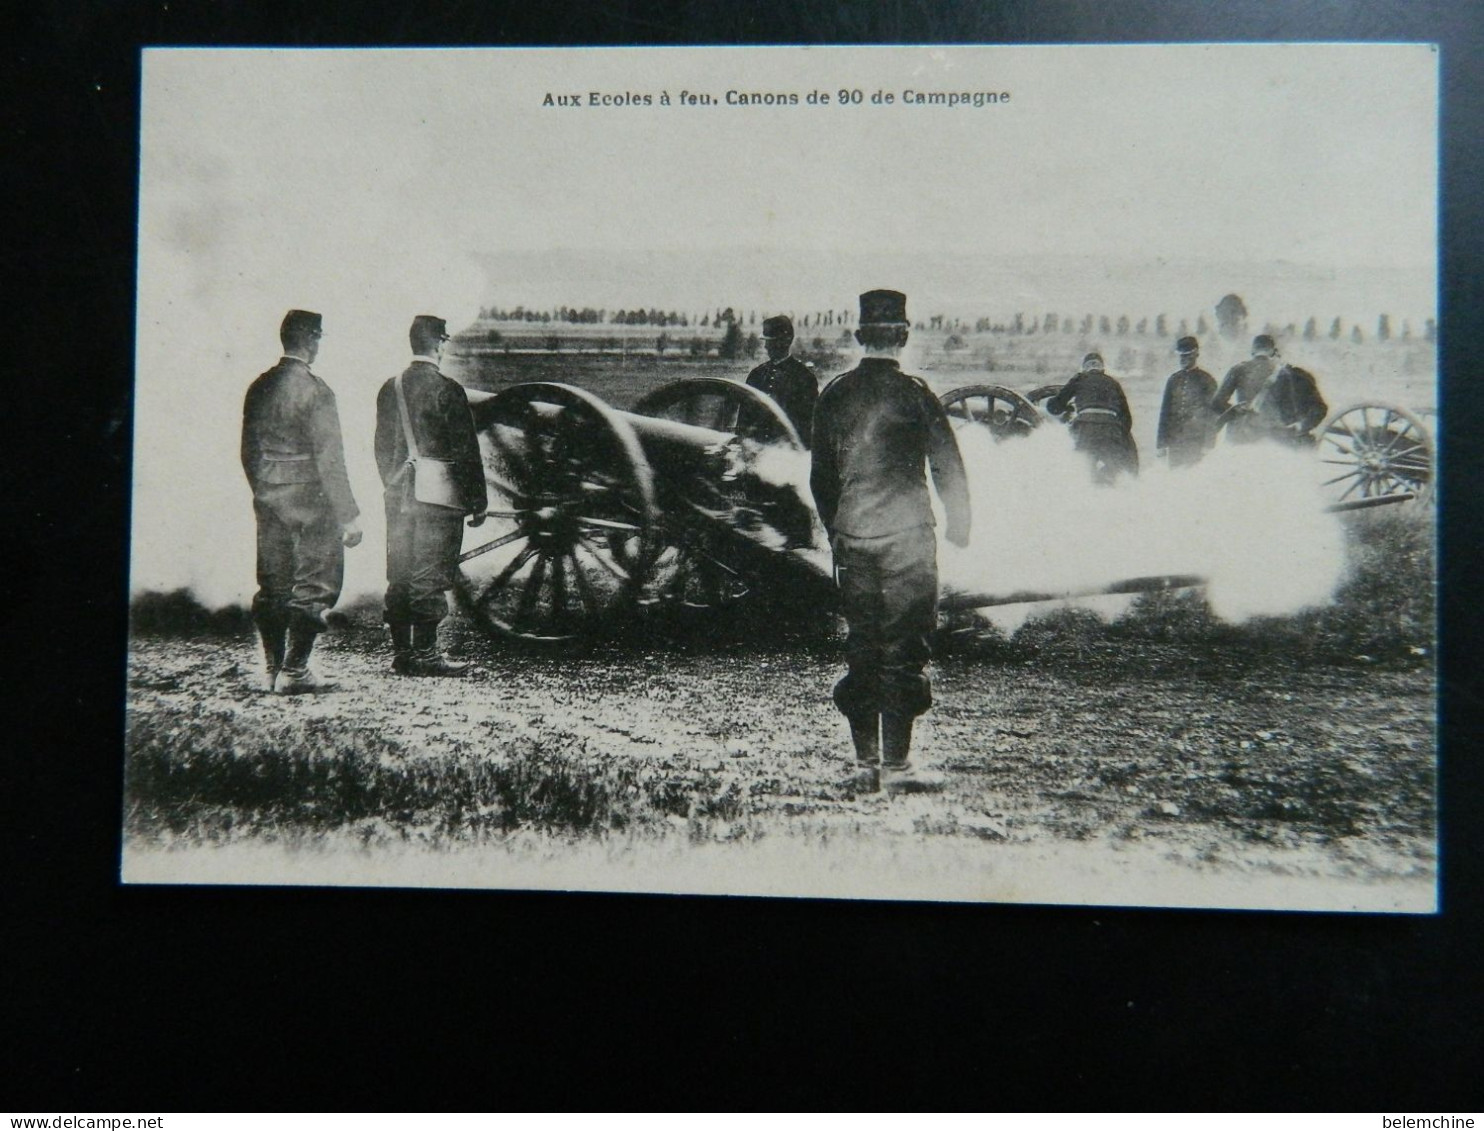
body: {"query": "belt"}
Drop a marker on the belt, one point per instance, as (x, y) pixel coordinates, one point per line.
(279, 458)
(1095, 412)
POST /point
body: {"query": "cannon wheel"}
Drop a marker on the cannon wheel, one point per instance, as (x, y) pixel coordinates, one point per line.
(1374, 451)
(569, 532)
(723, 406)
(696, 565)
(1003, 411)
(1041, 394)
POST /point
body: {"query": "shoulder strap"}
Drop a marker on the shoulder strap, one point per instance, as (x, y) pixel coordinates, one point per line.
(406, 417)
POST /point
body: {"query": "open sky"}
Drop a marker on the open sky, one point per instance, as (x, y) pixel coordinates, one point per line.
(374, 185)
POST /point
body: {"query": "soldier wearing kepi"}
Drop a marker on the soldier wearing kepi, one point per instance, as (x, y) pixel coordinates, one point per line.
(428, 456)
(1248, 381)
(1102, 425)
(1275, 401)
(294, 459)
(1187, 428)
(784, 378)
(876, 430)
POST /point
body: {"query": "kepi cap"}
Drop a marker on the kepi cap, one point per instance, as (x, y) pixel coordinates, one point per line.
(1264, 342)
(430, 325)
(883, 308)
(778, 326)
(1187, 345)
(1097, 357)
(301, 322)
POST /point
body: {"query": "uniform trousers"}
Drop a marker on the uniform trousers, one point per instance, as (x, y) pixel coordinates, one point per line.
(422, 552)
(1108, 445)
(889, 594)
(1187, 453)
(301, 559)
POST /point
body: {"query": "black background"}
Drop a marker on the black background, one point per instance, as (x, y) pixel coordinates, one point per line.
(226, 999)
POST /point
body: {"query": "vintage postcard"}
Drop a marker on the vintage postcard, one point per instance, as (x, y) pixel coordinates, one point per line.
(930, 473)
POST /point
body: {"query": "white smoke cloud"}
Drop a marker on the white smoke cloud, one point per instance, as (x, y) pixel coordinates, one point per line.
(220, 262)
(1249, 518)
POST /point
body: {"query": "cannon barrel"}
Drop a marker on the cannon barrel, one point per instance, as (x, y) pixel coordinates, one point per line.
(952, 601)
(594, 512)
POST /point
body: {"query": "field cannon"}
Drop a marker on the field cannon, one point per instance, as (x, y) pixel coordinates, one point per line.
(691, 500)
(597, 513)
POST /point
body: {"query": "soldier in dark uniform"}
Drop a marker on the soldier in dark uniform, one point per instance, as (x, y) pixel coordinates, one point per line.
(1248, 380)
(1102, 425)
(875, 431)
(1297, 405)
(1187, 429)
(423, 539)
(1274, 401)
(306, 515)
(784, 378)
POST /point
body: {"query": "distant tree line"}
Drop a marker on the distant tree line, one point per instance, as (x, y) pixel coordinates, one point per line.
(1230, 314)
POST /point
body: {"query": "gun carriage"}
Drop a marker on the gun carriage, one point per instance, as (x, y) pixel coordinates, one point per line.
(692, 500)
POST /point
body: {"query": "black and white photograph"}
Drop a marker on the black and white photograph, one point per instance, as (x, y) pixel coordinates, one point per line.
(981, 474)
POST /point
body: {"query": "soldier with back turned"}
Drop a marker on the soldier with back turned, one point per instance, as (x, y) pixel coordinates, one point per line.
(294, 460)
(1102, 425)
(876, 432)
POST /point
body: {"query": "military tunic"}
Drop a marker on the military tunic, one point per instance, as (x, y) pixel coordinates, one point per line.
(423, 541)
(1101, 425)
(1247, 381)
(793, 385)
(876, 429)
(1297, 405)
(1187, 427)
(294, 460)
(1275, 397)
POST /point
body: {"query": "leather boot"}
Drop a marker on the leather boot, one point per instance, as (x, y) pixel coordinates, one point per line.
(295, 678)
(896, 742)
(897, 773)
(272, 632)
(426, 659)
(865, 735)
(401, 648)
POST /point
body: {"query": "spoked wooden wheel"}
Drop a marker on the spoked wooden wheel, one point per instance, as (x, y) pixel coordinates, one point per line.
(1375, 451)
(723, 406)
(1003, 411)
(710, 504)
(569, 533)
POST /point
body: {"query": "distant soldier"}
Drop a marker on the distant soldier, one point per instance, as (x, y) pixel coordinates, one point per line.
(1297, 406)
(876, 429)
(1273, 401)
(1187, 427)
(306, 515)
(428, 457)
(1102, 425)
(784, 378)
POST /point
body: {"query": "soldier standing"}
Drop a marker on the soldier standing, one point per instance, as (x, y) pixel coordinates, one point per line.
(428, 457)
(1187, 429)
(1247, 380)
(1297, 405)
(1102, 425)
(1274, 401)
(875, 430)
(784, 378)
(294, 460)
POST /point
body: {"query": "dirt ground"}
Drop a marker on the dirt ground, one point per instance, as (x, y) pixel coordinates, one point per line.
(1082, 770)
